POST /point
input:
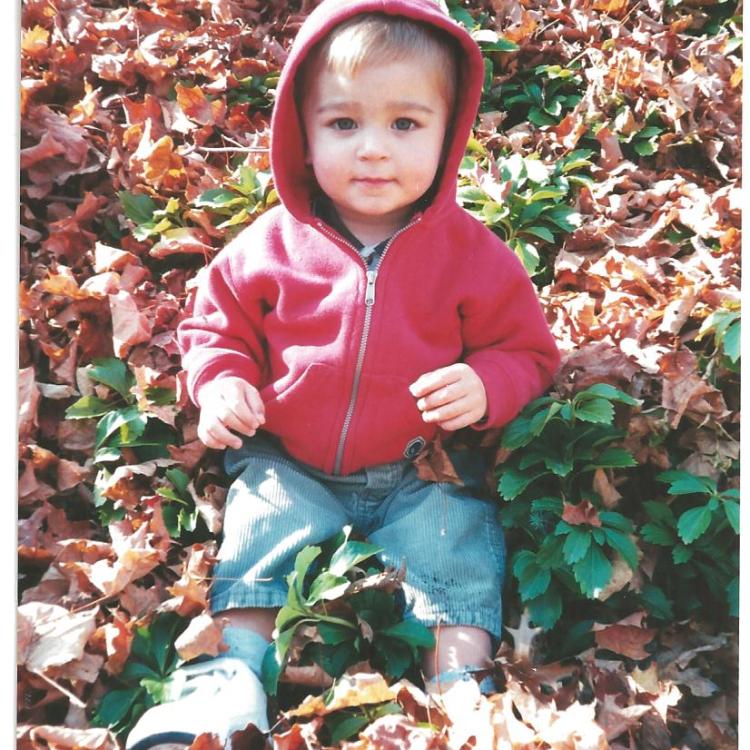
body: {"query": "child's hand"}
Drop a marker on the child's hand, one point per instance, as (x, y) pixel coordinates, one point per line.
(229, 404)
(452, 396)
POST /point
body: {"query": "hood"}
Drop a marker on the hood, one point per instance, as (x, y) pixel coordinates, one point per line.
(292, 177)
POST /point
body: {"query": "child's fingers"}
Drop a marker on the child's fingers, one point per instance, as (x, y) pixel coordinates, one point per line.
(216, 435)
(443, 395)
(254, 404)
(457, 423)
(449, 411)
(435, 379)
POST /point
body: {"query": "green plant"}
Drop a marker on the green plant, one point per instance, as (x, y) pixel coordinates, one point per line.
(145, 678)
(566, 539)
(724, 326)
(340, 590)
(148, 218)
(525, 200)
(542, 96)
(700, 526)
(122, 424)
(255, 91)
(640, 140)
(179, 511)
(246, 193)
(124, 431)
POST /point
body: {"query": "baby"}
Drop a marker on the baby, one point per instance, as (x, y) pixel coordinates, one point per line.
(333, 339)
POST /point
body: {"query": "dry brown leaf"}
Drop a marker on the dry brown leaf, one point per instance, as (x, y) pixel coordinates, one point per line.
(202, 636)
(57, 635)
(348, 692)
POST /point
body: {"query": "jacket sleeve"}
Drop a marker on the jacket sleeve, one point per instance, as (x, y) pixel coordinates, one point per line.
(223, 336)
(506, 338)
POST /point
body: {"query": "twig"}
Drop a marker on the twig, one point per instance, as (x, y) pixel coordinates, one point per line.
(231, 150)
(74, 699)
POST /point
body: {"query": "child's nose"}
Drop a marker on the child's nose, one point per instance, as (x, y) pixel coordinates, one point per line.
(372, 146)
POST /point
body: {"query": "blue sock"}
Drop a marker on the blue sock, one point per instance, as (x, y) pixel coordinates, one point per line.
(246, 645)
(486, 685)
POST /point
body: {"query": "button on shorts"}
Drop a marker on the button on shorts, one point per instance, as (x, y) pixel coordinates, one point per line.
(450, 539)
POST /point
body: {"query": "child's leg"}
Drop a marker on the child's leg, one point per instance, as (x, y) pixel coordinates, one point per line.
(457, 647)
(452, 542)
(274, 508)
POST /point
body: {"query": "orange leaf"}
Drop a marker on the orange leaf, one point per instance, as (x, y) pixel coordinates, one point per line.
(35, 41)
(627, 640)
(582, 513)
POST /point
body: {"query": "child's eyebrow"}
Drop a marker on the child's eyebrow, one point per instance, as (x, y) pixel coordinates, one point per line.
(399, 105)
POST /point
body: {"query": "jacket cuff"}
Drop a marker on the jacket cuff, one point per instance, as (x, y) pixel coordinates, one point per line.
(503, 402)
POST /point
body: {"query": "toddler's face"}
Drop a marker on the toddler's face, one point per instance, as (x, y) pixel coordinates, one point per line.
(375, 141)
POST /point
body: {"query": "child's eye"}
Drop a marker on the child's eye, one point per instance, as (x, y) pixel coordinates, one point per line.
(343, 123)
(404, 123)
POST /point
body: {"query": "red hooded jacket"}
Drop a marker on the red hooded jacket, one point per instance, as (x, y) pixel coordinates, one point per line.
(287, 305)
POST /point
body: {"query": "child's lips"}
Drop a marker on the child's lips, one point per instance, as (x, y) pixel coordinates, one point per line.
(374, 181)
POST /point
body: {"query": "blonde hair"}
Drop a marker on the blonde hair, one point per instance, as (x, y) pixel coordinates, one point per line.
(373, 38)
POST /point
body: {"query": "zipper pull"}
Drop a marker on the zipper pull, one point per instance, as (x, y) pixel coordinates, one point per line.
(370, 292)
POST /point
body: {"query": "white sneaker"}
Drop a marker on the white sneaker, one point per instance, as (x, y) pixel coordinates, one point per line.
(222, 696)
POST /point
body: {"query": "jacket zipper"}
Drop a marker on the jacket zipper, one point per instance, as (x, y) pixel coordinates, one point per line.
(369, 304)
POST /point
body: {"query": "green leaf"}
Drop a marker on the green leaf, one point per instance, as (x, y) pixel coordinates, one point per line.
(346, 727)
(538, 231)
(180, 481)
(513, 482)
(351, 554)
(412, 632)
(731, 342)
(114, 374)
(684, 483)
(501, 45)
(549, 554)
(548, 192)
(616, 521)
(545, 610)
(138, 208)
(87, 407)
(325, 587)
(645, 148)
(623, 544)
(129, 418)
(733, 596)
(163, 634)
(533, 580)
(656, 601)
(655, 534)
(694, 523)
(681, 554)
(274, 660)
(564, 217)
(593, 572)
(577, 543)
(333, 634)
(612, 458)
(115, 705)
(160, 690)
(305, 558)
(219, 198)
(596, 410)
(396, 656)
(561, 466)
(135, 670)
(732, 512)
(660, 512)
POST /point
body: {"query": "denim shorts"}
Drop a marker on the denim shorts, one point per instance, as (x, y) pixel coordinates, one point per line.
(450, 539)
